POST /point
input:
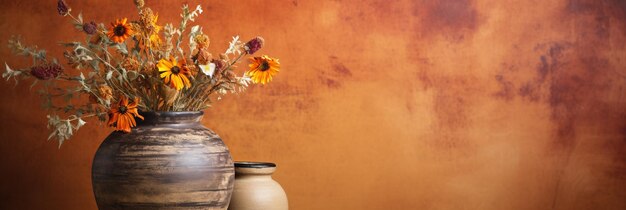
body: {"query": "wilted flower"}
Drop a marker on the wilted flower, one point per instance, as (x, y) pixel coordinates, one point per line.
(122, 116)
(254, 45)
(203, 56)
(46, 71)
(219, 64)
(148, 19)
(139, 3)
(154, 65)
(130, 64)
(104, 92)
(90, 28)
(62, 8)
(202, 40)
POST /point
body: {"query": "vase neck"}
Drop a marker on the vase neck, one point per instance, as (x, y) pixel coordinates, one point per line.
(155, 118)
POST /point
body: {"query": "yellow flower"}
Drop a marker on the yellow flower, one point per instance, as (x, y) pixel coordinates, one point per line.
(122, 117)
(120, 30)
(155, 40)
(174, 73)
(202, 40)
(262, 69)
(150, 28)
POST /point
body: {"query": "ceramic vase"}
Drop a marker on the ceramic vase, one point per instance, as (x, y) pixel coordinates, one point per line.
(169, 161)
(255, 189)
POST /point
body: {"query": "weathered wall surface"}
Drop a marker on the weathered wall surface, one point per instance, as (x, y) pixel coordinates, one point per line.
(424, 104)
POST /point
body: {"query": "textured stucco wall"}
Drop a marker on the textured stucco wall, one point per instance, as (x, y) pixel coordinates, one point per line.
(411, 104)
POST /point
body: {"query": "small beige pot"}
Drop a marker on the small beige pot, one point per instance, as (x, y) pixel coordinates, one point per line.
(255, 189)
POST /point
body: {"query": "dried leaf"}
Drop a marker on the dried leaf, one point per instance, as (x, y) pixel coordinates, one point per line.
(169, 94)
(80, 123)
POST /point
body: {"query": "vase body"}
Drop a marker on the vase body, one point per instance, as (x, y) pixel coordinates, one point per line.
(255, 189)
(169, 161)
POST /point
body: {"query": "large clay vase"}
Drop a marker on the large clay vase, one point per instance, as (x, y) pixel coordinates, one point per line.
(169, 161)
(255, 189)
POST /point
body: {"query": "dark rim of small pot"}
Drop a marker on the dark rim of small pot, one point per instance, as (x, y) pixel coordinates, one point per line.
(247, 164)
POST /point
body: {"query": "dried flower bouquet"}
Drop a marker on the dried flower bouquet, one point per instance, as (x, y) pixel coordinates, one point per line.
(133, 65)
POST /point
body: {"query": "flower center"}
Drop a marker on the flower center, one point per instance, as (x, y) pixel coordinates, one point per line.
(175, 70)
(123, 109)
(119, 30)
(264, 66)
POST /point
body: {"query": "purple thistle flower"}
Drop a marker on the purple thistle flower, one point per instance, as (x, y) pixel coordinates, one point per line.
(254, 45)
(62, 8)
(46, 71)
(90, 28)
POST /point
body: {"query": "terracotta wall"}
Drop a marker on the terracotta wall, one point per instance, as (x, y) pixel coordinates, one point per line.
(411, 104)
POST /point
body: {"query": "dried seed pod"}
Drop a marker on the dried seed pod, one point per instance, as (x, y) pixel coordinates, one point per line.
(140, 3)
(46, 71)
(62, 8)
(254, 45)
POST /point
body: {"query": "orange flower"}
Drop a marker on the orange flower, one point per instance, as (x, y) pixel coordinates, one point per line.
(120, 30)
(123, 116)
(262, 69)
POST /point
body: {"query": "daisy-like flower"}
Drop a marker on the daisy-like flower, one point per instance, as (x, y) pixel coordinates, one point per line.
(120, 30)
(174, 73)
(262, 69)
(122, 116)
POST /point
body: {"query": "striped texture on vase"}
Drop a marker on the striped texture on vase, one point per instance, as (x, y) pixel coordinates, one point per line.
(169, 161)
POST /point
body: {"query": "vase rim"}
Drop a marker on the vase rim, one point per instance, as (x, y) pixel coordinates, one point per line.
(173, 112)
(163, 117)
(250, 164)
